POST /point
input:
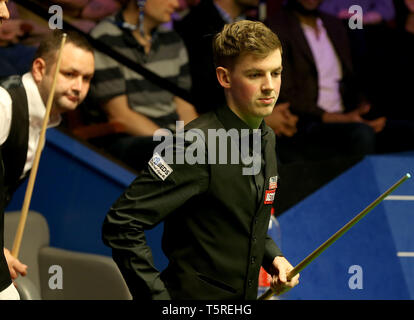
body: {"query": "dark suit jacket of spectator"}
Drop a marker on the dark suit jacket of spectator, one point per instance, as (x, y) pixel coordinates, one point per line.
(300, 76)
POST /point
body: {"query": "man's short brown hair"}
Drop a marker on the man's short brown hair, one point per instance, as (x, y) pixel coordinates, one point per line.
(50, 45)
(243, 37)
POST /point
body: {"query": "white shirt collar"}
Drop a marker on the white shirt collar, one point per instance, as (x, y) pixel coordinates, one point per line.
(37, 108)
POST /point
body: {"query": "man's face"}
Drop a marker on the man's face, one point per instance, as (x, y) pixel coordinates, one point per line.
(310, 4)
(160, 11)
(73, 80)
(4, 12)
(255, 85)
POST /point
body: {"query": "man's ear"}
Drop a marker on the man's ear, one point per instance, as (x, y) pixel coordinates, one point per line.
(223, 77)
(38, 69)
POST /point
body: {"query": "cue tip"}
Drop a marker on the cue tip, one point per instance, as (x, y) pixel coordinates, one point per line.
(408, 175)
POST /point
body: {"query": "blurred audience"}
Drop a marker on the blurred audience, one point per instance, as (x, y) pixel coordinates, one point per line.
(335, 98)
(84, 14)
(184, 8)
(15, 58)
(319, 83)
(18, 41)
(139, 105)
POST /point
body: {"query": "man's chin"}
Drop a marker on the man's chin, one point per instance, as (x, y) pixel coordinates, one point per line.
(266, 110)
(62, 108)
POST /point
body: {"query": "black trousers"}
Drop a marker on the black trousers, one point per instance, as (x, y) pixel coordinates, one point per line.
(316, 141)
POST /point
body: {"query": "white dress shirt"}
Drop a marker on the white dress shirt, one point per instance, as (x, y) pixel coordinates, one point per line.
(328, 66)
(37, 111)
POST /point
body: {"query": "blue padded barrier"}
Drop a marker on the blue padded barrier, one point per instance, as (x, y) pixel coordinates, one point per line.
(373, 243)
(75, 187)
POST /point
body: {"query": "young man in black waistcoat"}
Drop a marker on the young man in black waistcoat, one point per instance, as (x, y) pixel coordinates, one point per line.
(216, 213)
(22, 110)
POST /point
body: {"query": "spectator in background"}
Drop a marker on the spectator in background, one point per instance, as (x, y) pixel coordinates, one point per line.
(366, 43)
(319, 82)
(128, 98)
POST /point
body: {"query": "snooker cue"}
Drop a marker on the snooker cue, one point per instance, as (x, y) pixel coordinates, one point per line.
(33, 172)
(302, 265)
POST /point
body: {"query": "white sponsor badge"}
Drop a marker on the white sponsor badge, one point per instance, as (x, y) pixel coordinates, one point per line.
(273, 182)
(159, 166)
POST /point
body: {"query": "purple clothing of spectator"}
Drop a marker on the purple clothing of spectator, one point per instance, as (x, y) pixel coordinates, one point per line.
(383, 7)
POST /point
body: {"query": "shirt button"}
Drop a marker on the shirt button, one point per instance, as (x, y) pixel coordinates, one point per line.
(250, 283)
(255, 220)
(253, 260)
(254, 239)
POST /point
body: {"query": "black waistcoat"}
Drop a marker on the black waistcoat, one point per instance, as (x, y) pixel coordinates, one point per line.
(13, 159)
(14, 149)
